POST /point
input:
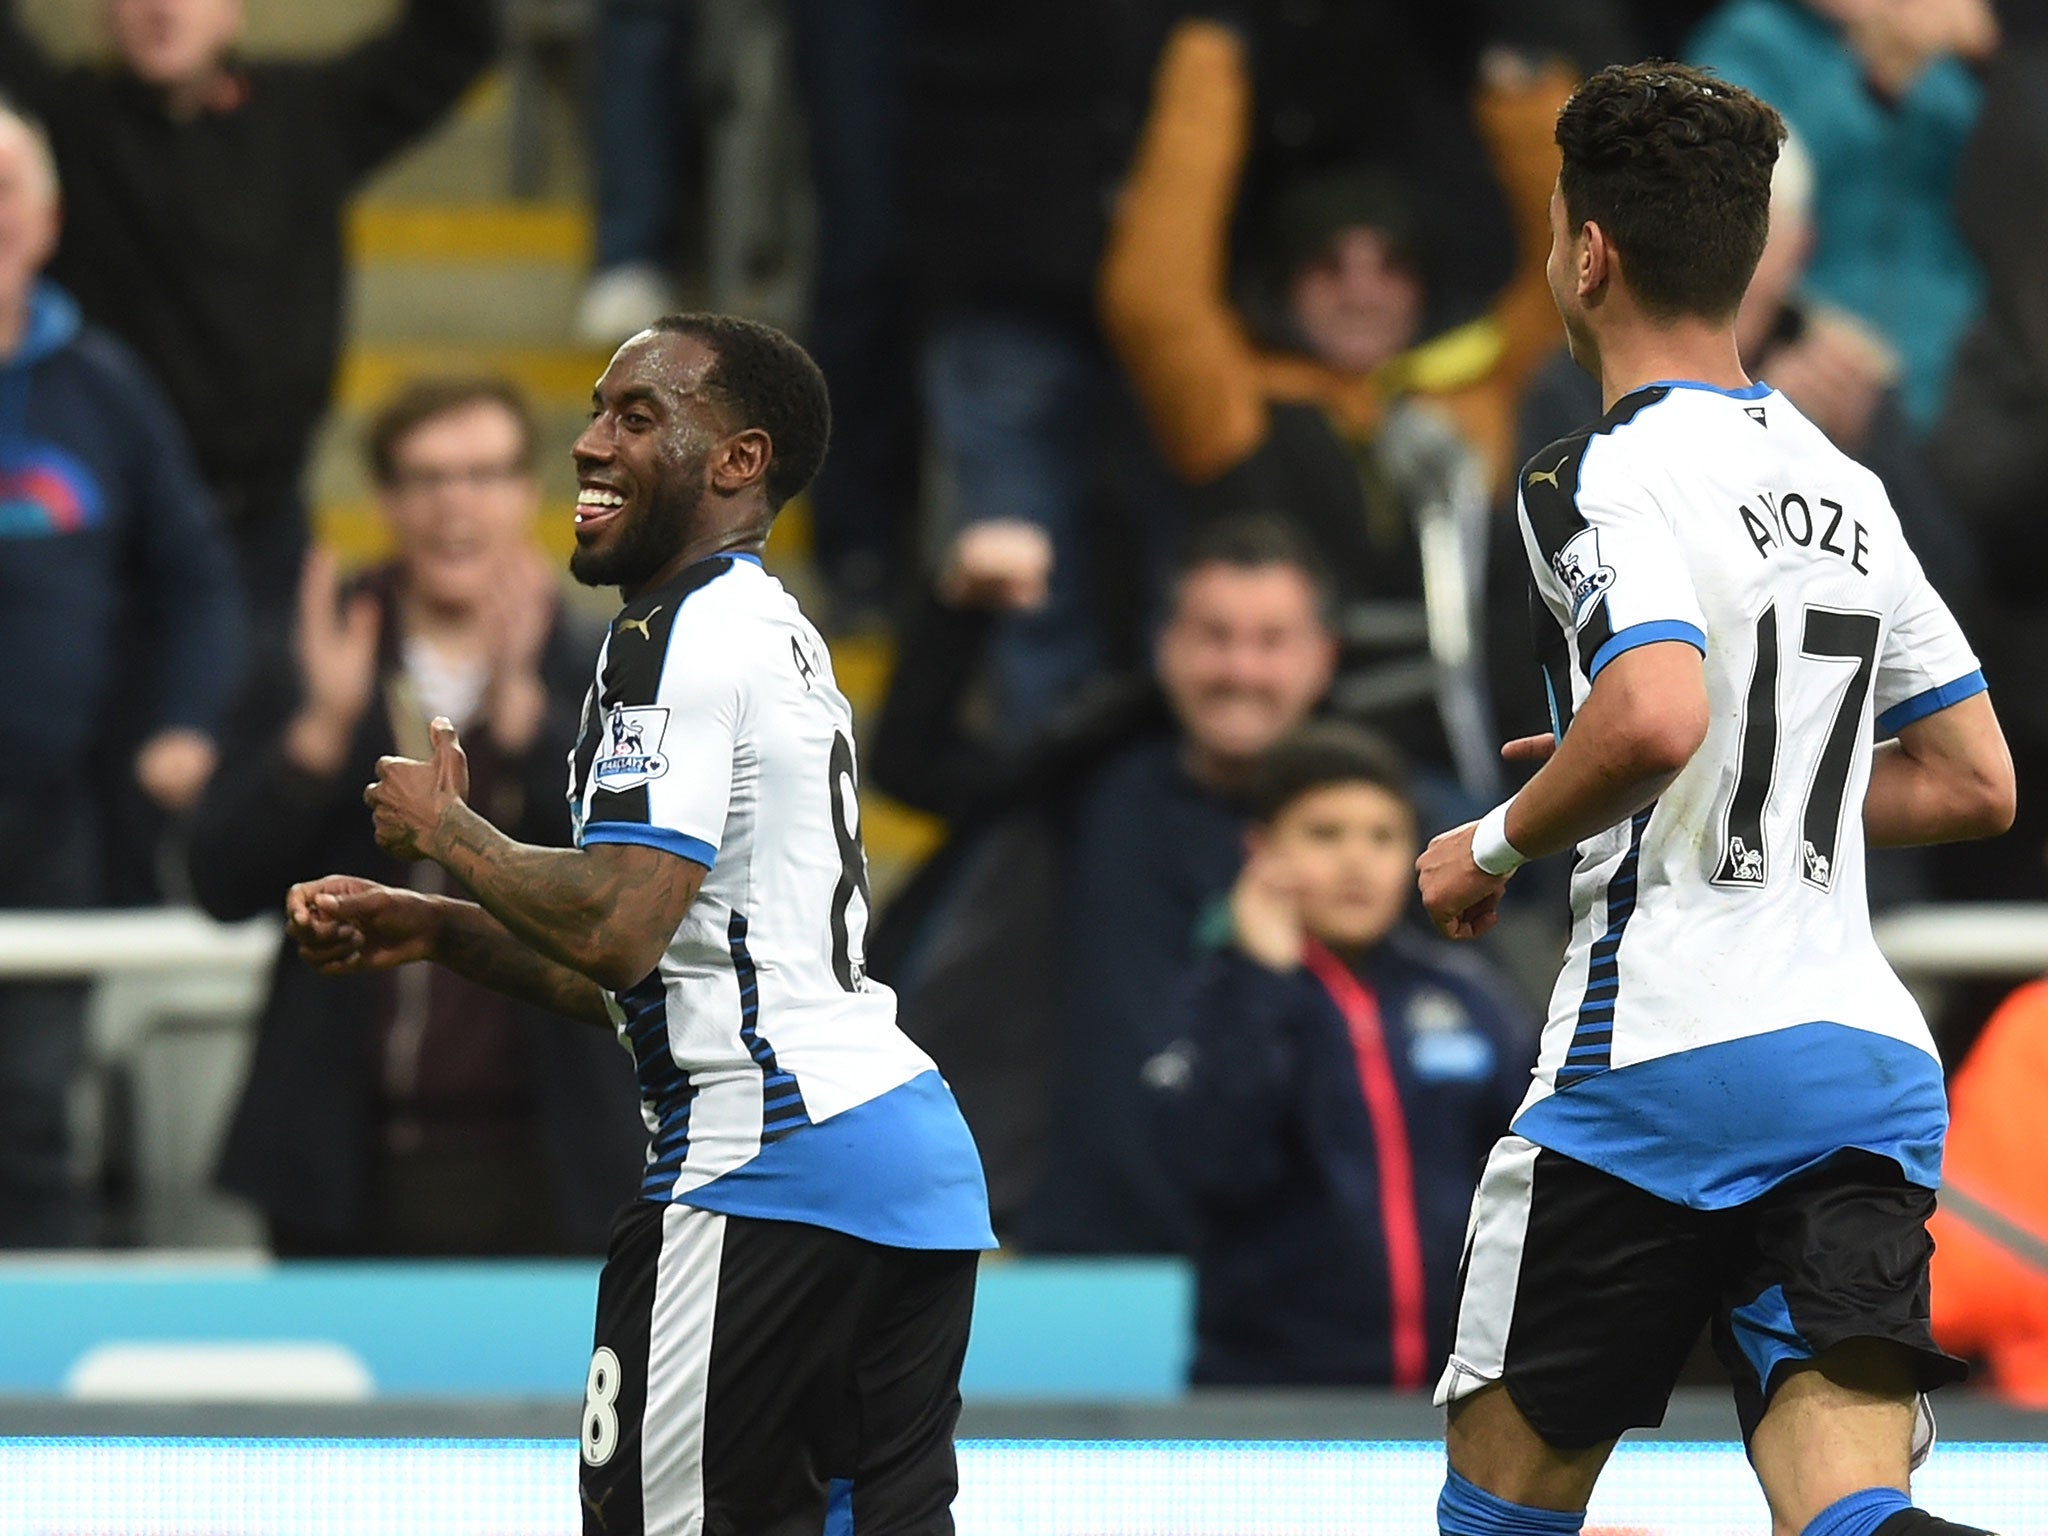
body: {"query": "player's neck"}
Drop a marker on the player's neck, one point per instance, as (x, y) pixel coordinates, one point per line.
(744, 539)
(1698, 350)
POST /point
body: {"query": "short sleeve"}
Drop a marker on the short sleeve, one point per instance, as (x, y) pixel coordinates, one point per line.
(1926, 663)
(670, 718)
(1606, 563)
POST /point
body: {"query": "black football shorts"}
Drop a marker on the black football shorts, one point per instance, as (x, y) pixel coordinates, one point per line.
(772, 1379)
(1584, 1294)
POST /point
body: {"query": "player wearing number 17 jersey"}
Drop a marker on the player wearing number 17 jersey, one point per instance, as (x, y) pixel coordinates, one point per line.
(783, 1311)
(1737, 1113)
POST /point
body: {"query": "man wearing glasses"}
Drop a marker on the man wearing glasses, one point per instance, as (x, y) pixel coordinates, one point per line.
(423, 1114)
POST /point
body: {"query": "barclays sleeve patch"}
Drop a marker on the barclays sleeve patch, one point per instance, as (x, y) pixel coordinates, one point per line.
(631, 754)
(1581, 574)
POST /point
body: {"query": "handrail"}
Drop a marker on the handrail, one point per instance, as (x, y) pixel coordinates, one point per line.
(49, 946)
(2003, 939)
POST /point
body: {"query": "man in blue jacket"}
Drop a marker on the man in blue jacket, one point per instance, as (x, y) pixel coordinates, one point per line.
(207, 190)
(1335, 1089)
(110, 559)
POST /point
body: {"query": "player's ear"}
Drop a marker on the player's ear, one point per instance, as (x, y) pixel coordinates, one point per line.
(741, 461)
(1595, 259)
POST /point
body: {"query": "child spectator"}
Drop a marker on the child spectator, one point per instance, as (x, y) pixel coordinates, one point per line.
(1337, 1084)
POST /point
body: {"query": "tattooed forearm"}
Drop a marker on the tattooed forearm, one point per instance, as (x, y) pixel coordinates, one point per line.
(606, 912)
(472, 943)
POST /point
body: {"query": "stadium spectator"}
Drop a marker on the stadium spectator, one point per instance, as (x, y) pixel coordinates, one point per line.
(639, 122)
(1990, 1273)
(1286, 374)
(203, 215)
(1038, 956)
(1991, 452)
(1882, 94)
(414, 1112)
(106, 532)
(849, 58)
(1043, 465)
(1337, 1085)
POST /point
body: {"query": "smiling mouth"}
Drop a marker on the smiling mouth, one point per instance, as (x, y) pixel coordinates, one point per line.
(597, 505)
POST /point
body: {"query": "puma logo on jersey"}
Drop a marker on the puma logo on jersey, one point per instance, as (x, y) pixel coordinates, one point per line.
(1549, 474)
(641, 624)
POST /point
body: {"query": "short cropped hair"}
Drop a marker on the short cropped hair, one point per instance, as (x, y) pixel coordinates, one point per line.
(1317, 756)
(1674, 165)
(774, 385)
(1251, 541)
(423, 400)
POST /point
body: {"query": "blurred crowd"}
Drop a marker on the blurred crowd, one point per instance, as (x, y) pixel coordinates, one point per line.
(1182, 361)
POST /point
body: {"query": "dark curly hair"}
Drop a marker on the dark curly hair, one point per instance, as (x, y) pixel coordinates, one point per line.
(1674, 165)
(1318, 755)
(773, 384)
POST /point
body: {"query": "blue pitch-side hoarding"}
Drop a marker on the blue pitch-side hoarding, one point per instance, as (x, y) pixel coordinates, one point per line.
(1112, 1330)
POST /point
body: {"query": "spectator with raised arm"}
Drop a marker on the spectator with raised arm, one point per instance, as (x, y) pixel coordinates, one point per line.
(1337, 1083)
(203, 222)
(1336, 329)
(106, 533)
(415, 1112)
(1052, 932)
(1883, 94)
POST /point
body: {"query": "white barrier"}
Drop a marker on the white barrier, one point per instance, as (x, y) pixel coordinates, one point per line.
(1934, 941)
(1978, 940)
(51, 946)
(175, 995)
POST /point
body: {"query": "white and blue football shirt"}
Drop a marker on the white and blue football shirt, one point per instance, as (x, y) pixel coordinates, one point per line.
(1723, 1019)
(773, 1078)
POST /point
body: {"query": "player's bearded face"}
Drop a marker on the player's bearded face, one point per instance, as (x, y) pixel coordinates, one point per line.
(653, 524)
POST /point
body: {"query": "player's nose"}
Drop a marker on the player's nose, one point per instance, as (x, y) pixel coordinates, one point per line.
(593, 444)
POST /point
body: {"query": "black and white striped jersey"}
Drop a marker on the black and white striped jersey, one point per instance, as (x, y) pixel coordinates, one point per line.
(1723, 1018)
(774, 1079)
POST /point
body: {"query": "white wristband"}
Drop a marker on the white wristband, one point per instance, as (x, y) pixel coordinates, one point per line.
(1491, 850)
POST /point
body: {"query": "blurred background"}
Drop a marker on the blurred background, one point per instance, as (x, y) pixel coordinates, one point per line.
(1182, 359)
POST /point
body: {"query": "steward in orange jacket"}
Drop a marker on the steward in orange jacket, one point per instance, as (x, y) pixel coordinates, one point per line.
(1990, 1274)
